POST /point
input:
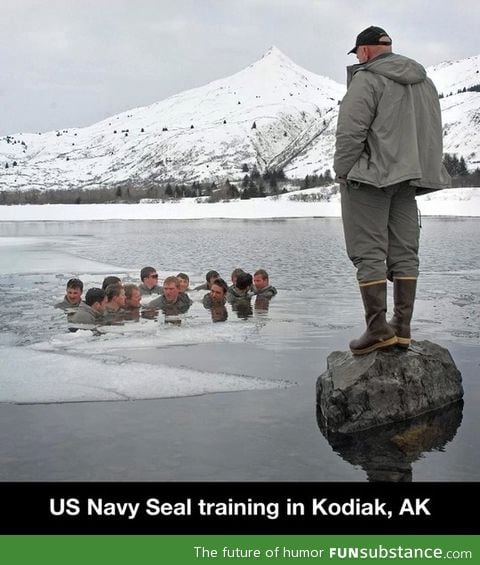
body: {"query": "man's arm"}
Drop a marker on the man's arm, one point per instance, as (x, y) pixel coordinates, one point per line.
(357, 112)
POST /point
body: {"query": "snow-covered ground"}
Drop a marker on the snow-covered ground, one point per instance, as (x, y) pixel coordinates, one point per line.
(452, 202)
(272, 115)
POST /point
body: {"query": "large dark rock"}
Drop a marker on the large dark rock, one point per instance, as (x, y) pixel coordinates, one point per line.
(361, 392)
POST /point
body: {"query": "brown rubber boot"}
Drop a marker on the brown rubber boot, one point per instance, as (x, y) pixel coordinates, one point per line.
(378, 333)
(404, 298)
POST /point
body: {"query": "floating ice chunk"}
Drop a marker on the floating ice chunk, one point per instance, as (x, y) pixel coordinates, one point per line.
(25, 255)
(30, 376)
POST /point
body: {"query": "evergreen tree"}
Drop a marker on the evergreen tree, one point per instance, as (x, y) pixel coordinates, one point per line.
(255, 174)
(232, 191)
(252, 189)
(462, 167)
(273, 184)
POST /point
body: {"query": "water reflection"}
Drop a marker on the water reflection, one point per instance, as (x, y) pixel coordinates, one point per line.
(243, 308)
(386, 453)
(262, 304)
(315, 310)
(219, 313)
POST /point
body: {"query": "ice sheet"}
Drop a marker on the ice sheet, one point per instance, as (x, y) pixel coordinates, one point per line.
(59, 378)
(31, 255)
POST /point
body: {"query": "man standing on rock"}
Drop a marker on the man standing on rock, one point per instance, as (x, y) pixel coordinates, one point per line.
(388, 149)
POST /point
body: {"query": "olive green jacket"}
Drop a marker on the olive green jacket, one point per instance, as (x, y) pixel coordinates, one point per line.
(267, 292)
(85, 317)
(66, 305)
(180, 306)
(145, 291)
(389, 126)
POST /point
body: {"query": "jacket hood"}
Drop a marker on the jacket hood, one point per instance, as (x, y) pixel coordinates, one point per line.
(394, 67)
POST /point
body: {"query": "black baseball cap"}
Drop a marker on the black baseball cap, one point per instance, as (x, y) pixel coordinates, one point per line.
(371, 36)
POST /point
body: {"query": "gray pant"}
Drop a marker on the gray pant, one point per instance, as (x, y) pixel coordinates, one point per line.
(381, 230)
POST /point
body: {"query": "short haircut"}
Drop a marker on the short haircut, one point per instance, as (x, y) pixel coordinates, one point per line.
(244, 280)
(113, 290)
(146, 271)
(219, 313)
(107, 281)
(183, 276)
(94, 295)
(129, 288)
(170, 280)
(75, 283)
(222, 284)
(236, 272)
(261, 273)
(212, 275)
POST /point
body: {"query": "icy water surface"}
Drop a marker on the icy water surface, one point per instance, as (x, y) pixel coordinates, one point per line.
(215, 401)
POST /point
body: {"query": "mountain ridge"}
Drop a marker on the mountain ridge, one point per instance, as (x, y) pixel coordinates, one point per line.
(272, 114)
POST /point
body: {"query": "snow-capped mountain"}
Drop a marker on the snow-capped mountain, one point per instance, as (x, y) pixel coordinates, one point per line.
(273, 114)
(460, 116)
(263, 115)
(460, 110)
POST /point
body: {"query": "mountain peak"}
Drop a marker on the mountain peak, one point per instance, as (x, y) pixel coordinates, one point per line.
(275, 55)
(272, 51)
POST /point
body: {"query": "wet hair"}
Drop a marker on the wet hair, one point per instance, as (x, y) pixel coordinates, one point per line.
(219, 313)
(261, 273)
(183, 276)
(169, 280)
(107, 281)
(94, 295)
(212, 275)
(244, 280)
(236, 272)
(146, 271)
(129, 288)
(75, 283)
(222, 284)
(113, 290)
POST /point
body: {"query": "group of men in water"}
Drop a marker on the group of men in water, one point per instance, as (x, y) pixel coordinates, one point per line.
(116, 302)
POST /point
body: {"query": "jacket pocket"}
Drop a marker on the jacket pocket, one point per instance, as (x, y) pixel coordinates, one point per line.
(353, 184)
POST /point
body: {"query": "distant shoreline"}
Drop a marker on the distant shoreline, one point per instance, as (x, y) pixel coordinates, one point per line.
(458, 202)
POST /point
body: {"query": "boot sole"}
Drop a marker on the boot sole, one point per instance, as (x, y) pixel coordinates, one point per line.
(379, 345)
(403, 342)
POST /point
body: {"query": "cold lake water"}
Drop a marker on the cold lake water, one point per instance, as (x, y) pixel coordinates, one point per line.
(226, 401)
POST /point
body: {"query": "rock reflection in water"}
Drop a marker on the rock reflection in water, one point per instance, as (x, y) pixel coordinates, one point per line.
(386, 453)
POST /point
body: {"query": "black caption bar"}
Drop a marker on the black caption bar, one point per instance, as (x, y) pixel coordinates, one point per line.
(238, 508)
